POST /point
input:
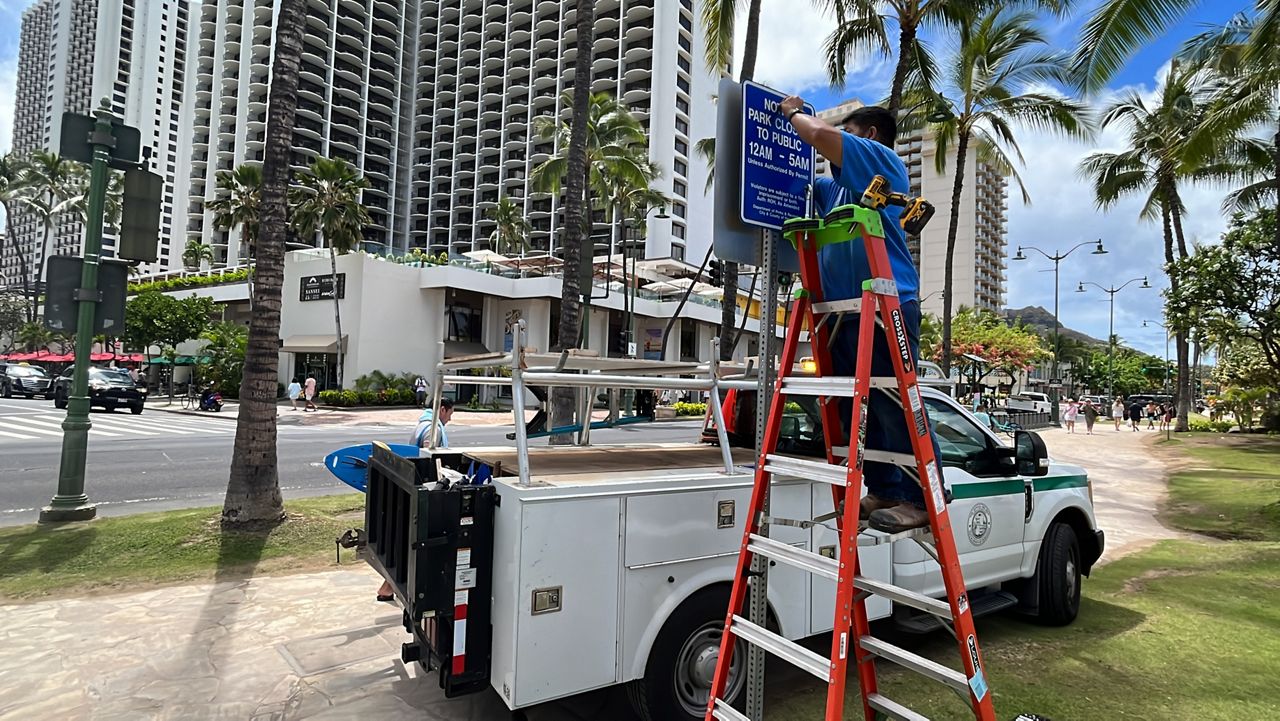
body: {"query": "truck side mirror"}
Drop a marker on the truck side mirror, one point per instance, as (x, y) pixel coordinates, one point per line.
(1031, 454)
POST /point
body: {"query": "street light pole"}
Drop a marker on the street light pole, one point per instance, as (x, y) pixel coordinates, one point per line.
(1111, 324)
(1057, 259)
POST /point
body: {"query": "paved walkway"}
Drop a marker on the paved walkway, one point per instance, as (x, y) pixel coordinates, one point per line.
(317, 646)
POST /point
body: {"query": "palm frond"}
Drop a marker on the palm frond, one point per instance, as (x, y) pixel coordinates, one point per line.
(1115, 31)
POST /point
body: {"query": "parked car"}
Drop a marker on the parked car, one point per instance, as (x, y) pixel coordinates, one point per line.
(1030, 402)
(27, 380)
(108, 388)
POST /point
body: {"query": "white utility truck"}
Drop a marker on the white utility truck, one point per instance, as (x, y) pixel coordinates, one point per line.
(550, 571)
(1030, 402)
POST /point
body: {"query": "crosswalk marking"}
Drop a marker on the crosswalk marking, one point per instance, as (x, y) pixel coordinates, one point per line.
(132, 427)
(159, 426)
(44, 420)
(24, 428)
(18, 436)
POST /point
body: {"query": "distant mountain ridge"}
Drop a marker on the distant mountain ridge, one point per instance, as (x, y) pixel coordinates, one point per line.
(1042, 321)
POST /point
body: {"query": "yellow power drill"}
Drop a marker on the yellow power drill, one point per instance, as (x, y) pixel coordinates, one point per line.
(916, 211)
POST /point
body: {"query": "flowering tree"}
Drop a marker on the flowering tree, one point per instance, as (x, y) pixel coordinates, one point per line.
(984, 334)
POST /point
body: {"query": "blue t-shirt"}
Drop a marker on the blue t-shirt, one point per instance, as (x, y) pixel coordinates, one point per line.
(844, 266)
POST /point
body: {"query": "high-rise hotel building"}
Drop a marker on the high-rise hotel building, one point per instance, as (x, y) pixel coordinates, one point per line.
(434, 102)
(979, 262)
(72, 55)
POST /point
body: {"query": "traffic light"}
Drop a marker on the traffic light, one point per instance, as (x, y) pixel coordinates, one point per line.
(715, 270)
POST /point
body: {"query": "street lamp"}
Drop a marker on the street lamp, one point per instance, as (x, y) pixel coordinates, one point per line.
(1057, 259)
(1148, 323)
(1111, 323)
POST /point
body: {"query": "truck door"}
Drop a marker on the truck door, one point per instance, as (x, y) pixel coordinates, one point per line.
(986, 508)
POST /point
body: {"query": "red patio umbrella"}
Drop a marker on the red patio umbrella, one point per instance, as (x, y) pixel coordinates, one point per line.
(98, 357)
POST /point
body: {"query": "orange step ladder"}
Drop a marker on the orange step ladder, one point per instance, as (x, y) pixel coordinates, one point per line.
(877, 311)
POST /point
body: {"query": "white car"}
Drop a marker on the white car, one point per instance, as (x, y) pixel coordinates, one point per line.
(602, 573)
(1029, 401)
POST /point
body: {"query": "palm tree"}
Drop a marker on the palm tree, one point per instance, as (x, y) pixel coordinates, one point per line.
(55, 186)
(327, 200)
(999, 54)
(511, 234)
(34, 336)
(253, 489)
(239, 202)
(195, 252)
(1240, 51)
(616, 147)
(12, 190)
(577, 166)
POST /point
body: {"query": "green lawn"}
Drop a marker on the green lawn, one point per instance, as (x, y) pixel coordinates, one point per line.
(1184, 630)
(167, 547)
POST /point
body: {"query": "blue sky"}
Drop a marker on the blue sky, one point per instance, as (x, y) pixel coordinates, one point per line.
(1061, 213)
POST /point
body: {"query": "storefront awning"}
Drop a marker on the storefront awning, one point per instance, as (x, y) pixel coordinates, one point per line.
(455, 349)
(312, 344)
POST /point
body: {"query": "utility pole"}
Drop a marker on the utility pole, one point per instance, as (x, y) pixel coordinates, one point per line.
(1057, 260)
(1111, 323)
(1147, 323)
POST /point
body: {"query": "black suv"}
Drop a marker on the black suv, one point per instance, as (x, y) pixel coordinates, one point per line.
(108, 388)
(30, 381)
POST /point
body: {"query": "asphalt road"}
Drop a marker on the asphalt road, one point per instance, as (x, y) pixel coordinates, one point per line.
(161, 460)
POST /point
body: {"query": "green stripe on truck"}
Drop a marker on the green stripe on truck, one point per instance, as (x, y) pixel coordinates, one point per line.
(1006, 487)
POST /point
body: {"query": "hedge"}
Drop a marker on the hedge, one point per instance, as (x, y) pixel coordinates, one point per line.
(190, 281)
(690, 409)
(1197, 424)
(350, 398)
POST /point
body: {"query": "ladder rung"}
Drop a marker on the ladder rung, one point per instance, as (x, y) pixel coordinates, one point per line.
(879, 538)
(786, 553)
(790, 651)
(809, 470)
(725, 712)
(906, 460)
(892, 709)
(851, 305)
(917, 663)
(903, 596)
(832, 386)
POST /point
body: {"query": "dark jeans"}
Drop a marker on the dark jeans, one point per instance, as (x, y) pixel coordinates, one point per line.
(886, 426)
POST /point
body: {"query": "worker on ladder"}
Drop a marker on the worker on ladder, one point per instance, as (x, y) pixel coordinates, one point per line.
(858, 151)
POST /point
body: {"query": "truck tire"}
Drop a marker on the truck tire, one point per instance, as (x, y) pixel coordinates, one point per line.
(59, 400)
(677, 678)
(1058, 576)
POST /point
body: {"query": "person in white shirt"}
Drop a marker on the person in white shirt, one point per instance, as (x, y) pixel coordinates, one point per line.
(295, 390)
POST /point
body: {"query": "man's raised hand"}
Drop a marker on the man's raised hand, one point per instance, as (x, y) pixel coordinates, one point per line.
(793, 102)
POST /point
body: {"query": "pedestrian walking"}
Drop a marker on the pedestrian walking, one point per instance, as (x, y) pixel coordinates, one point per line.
(1090, 412)
(1073, 410)
(1152, 410)
(309, 393)
(1135, 416)
(420, 391)
(1117, 412)
(295, 390)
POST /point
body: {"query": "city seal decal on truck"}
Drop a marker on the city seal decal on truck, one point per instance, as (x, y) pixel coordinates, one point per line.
(979, 524)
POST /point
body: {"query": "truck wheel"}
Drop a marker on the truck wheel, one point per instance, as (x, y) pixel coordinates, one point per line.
(677, 679)
(59, 400)
(1058, 576)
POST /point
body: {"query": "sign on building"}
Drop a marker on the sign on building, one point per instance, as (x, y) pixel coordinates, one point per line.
(320, 287)
(777, 166)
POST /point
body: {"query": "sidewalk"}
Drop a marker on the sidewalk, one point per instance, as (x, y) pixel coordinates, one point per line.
(317, 646)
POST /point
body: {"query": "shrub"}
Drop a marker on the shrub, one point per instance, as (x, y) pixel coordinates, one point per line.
(194, 281)
(1203, 426)
(690, 409)
(792, 407)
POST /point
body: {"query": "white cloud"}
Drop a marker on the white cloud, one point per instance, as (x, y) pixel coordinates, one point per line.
(1062, 214)
(790, 55)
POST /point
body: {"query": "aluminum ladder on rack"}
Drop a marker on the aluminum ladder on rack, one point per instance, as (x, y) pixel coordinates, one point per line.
(877, 311)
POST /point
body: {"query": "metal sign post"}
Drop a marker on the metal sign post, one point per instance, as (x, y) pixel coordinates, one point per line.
(102, 146)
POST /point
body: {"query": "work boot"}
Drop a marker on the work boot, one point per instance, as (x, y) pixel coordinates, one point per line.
(902, 517)
(872, 503)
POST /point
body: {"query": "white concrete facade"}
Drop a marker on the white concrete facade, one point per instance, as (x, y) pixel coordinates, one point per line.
(75, 53)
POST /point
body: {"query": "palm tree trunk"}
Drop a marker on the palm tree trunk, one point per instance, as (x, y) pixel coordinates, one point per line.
(44, 263)
(253, 490)
(562, 399)
(1276, 175)
(1182, 390)
(729, 300)
(337, 311)
(948, 278)
(22, 263)
(906, 38)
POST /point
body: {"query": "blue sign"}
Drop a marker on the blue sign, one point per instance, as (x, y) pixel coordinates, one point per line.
(777, 166)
